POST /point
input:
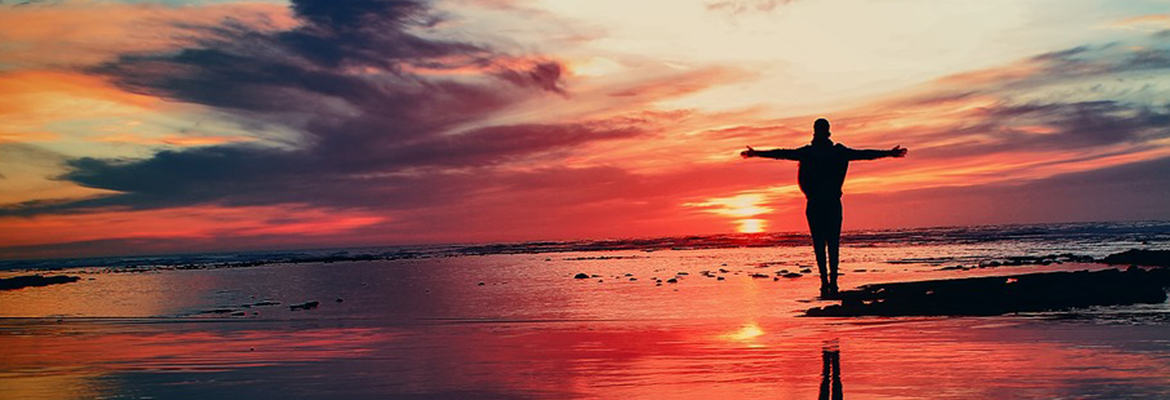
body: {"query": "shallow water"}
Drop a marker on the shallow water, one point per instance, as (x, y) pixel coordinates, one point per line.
(426, 328)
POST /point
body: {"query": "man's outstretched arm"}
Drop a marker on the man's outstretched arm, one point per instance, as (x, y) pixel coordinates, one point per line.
(897, 151)
(779, 154)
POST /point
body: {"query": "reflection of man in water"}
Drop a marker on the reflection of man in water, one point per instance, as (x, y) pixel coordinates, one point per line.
(822, 173)
(831, 375)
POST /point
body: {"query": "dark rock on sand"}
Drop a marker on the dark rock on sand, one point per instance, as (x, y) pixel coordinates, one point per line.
(20, 282)
(480, 284)
(1050, 291)
(1156, 258)
(672, 280)
(761, 276)
(806, 271)
(792, 275)
(304, 306)
(581, 276)
(266, 303)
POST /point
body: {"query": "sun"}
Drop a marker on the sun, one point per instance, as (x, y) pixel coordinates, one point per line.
(751, 225)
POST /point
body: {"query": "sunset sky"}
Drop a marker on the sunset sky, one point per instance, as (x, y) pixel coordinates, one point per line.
(173, 126)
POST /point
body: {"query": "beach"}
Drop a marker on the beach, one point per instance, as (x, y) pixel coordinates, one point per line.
(522, 325)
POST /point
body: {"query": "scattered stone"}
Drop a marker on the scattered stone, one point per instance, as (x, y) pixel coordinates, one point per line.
(629, 274)
(304, 306)
(759, 276)
(723, 270)
(672, 280)
(682, 273)
(266, 303)
(480, 284)
(239, 314)
(792, 275)
(775, 279)
(721, 278)
(633, 279)
(806, 271)
(20, 282)
(340, 300)
(581, 276)
(860, 270)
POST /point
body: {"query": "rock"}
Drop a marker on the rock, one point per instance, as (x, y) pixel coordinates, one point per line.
(304, 306)
(20, 282)
(860, 270)
(721, 278)
(1155, 258)
(996, 295)
(581, 276)
(792, 275)
(806, 271)
(340, 300)
(672, 280)
(775, 279)
(629, 274)
(633, 279)
(266, 303)
(682, 273)
(239, 314)
(480, 284)
(723, 271)
(760, 276)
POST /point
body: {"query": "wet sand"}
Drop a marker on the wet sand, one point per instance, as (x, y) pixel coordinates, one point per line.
(426, 328)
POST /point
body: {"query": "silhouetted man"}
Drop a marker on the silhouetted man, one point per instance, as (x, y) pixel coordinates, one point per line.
(822, 173)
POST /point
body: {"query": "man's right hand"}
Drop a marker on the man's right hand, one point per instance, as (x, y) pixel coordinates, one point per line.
(750, 152)
(897, 151)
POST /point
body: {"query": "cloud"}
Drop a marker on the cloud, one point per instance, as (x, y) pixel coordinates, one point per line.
(737, 7)
(62, 34)
(342, 78)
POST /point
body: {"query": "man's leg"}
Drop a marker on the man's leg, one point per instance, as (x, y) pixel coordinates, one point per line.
(815, 226)
(819, 244)
(831, 213)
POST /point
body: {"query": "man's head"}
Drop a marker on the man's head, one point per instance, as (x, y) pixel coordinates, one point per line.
(821, 129)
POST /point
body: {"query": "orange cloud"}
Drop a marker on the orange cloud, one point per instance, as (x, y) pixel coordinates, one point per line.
(172, 140)
(84, 33)
(1145, 22)
(183, 222)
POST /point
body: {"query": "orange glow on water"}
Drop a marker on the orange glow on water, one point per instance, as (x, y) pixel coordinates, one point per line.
(746, 334)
